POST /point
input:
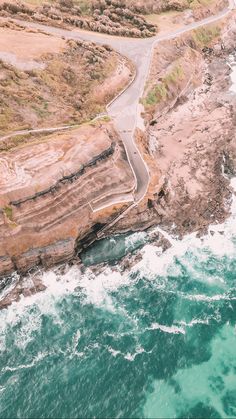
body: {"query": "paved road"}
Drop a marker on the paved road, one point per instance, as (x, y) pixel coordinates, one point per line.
(125, 110)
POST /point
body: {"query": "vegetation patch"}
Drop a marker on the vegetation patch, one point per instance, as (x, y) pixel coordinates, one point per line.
(160, 91)
(148, 7)
(8, 212)
(204, 36)
(108, 16)
(193, 4)
(62, 93)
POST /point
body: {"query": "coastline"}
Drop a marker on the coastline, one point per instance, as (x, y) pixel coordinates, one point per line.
(159, 206)
(118, 295)
(193, 190)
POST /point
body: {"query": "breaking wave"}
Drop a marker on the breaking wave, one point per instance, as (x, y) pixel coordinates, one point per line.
(128, 343)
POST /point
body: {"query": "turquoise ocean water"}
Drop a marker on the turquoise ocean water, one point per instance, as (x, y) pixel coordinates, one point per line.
(156, 342)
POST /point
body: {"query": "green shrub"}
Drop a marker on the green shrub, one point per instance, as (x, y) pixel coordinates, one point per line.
(160, 92)
(204, 36)
(8, 212)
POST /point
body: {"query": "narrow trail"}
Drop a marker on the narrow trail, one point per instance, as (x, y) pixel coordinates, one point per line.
(49, 129)
(125, 110)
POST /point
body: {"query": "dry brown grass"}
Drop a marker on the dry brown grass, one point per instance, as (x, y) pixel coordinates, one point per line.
(61, 93)
(28, 45)
(160, 6)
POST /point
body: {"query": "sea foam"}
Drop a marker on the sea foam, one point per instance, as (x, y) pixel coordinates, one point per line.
(155, 265)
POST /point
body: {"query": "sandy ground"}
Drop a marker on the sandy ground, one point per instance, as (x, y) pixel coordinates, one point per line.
(169, 21)
(24, 49)
(28, 45)
(72, 83)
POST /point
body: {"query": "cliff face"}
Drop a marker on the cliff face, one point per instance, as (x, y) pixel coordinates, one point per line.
(52, 193)
(190, 133)
(54, 187)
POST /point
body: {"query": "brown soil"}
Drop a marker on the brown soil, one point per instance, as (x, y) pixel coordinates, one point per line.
(96, 15)
(45, 81)
(28, 44)
(190, 138)
(202, 7)
(120, 17)
(171, 20)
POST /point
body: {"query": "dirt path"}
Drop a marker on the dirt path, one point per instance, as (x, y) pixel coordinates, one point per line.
(125, 110)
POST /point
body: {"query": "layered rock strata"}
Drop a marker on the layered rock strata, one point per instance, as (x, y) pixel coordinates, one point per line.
(52, 194)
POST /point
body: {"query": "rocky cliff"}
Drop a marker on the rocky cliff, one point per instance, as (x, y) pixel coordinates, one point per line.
(190, 137)
(57, 191)
(54, 187)
(52, 193)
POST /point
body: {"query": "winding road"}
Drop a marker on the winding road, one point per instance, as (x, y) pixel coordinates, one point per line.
(125, 110)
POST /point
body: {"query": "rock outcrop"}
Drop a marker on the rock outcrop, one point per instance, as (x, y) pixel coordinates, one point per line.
(52, 194)
(190, 135)
(58, 191)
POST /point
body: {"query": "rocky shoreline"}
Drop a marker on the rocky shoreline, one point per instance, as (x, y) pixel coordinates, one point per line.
(17, 285)
(190, 150)
(192, 144)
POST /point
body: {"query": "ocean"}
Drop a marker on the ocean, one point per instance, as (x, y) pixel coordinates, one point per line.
(157, 341)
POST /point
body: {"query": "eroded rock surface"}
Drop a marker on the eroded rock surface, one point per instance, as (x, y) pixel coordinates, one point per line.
(58, 191)
(191, 133)
(52, 192)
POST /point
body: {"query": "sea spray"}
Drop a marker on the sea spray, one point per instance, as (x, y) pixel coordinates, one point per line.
(154, 337)
(114, 248)
(155, 341)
